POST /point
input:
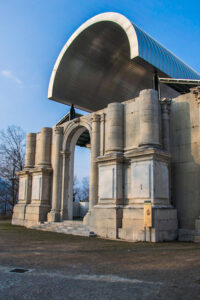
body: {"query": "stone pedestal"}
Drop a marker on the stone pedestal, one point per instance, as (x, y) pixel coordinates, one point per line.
(105, 220)
(25, 183)
(164, 224)
(149, 183)
(106, 217)
(36, 211)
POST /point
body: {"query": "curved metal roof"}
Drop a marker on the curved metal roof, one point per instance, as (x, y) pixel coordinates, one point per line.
(107, 59)
(157, 55)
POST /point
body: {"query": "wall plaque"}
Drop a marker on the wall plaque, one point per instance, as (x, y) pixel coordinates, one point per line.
(147, 214)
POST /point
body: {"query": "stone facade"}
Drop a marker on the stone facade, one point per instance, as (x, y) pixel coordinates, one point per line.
(143, 151)
(145, 161)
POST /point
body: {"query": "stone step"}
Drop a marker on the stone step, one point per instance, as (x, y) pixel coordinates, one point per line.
(66, 227)
(72, 222)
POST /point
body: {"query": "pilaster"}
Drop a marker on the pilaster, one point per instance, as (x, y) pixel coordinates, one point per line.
(65, 178)
(165, 109)
(54, 214)
(95, 151)
(102, 133)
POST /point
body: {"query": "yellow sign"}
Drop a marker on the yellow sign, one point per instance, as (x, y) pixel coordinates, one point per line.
(147, 215)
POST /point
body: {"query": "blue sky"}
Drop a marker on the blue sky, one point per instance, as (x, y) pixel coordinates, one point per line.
(34, 31)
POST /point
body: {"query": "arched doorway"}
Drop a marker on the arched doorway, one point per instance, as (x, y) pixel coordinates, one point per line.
(78, 135)
(81, 176)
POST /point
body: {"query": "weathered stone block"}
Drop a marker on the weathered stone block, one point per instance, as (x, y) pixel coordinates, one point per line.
(131, 234)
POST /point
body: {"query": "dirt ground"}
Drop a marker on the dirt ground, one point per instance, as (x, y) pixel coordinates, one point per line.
(71, 267)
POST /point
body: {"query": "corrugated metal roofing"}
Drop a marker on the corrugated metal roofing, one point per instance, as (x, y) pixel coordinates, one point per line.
(157, 55)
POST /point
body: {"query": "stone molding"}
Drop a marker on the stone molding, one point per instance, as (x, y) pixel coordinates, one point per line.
(58, 130)
(146, 154)
(114, 157)
(41, 170)
(23, 172)
(70, 128)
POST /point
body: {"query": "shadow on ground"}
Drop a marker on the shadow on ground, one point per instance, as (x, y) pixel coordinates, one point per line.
(71, 267)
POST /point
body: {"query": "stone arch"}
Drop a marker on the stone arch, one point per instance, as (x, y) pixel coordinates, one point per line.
(71, 134)
(71, 128)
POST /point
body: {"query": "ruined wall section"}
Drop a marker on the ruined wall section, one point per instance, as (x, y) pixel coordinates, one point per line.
(185, 150)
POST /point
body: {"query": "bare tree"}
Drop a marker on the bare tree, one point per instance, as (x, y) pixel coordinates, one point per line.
(85, 189)
(12, 157)
(76, 190)
(81, 190)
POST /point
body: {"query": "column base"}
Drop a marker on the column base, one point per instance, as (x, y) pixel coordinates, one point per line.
(104, 220)
(36, 213)
(18, 217)
(53, 216)
(164, 226)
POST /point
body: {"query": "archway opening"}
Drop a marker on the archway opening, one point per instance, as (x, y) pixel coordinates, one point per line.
(78, 198)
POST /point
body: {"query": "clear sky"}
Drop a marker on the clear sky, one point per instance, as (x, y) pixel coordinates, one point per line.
(34, 31)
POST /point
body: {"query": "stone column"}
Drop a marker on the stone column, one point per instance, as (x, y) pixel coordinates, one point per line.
(149, 118)
(45, 146)
(54, 214)
(102, 143)
(30, 150)
(95, 151)
(114, 135)
(165, 107)
(65, 185)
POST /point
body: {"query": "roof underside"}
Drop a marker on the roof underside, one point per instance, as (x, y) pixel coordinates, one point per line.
(109, 59)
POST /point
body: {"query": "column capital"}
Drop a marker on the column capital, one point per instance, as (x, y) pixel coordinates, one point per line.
(102, 117)
(165, 105)
(95, 118)
(58, 130)
(46, 130)
(31, 134)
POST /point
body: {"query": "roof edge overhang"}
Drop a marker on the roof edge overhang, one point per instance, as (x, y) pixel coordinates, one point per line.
(117, 18)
